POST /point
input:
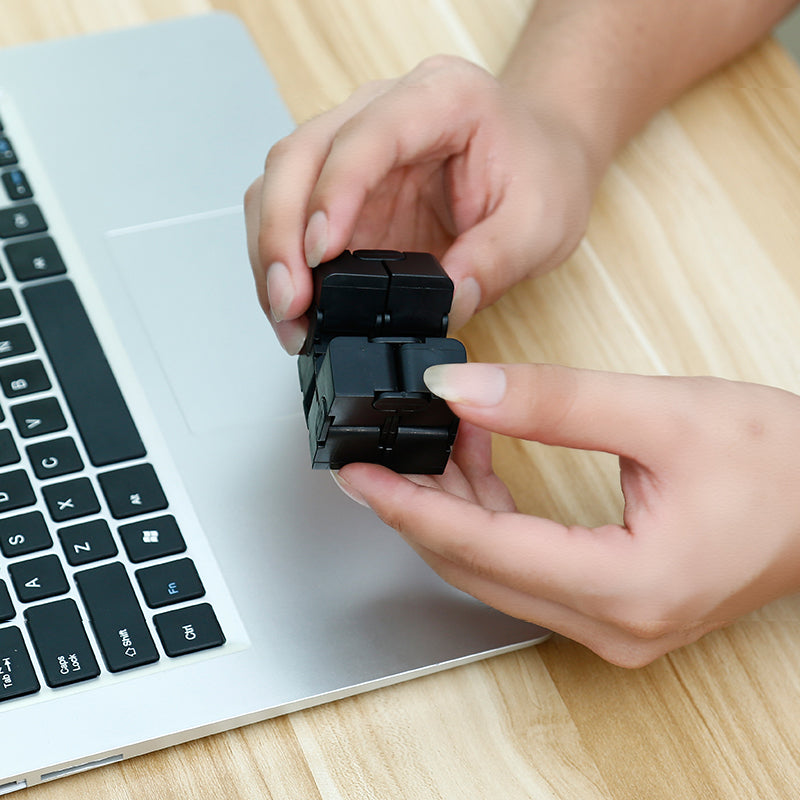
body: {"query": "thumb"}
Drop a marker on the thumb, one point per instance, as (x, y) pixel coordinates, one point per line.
(611, 412)
(495, 253)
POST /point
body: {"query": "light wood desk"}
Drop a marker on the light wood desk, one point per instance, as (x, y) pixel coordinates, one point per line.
(690, 265)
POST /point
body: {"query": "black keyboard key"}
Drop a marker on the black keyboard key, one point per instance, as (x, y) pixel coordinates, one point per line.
(17, 186)
(116, 618)
(23, 534)
(21, 220)
(7, 610)
(54, 457)
(152, 538)
(8, 448)
(61, 644)
(7, 155)
(92, 393)
(71, 499)
(132, 490)
(87, 542)
(173, 582)
(27, 377)
(8, 304)
(15, 340)
(38, 417)
(35, 258)
(38, 578)
(189, 630)
(15, 490)
(17, 676)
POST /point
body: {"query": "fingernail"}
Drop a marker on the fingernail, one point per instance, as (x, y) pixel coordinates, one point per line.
(316, 240)
(466, 299)
(292, 335)
(481, 385)
(280, 290)
(348, 489)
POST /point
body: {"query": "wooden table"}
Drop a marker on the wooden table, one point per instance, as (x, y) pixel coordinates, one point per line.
(689, 266)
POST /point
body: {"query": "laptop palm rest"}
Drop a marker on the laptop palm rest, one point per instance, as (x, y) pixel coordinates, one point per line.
(211, 338)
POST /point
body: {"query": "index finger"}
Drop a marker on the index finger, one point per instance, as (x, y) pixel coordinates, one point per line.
(429, 115)
(276, 206)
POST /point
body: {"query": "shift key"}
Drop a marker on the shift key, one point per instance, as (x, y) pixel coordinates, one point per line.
(116, 617)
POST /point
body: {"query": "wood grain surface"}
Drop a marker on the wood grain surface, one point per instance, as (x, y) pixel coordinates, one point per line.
(689, 266)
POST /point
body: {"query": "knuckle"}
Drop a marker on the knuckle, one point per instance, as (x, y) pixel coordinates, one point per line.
(350, 129)
(278, 152)
(253, 192)
(370, 89)
(632, 655)
(646, 627)
(438, 63)
(552, 398)
(264, 246)
(654, 608)
(449, 77)
(444, 62)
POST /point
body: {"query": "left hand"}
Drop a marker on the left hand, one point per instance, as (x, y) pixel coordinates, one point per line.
(709, 470)
(497, 183)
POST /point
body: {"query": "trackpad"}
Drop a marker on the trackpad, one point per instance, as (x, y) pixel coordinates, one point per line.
(191, 285)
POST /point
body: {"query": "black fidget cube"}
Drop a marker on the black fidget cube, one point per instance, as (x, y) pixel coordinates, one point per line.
(378, 320)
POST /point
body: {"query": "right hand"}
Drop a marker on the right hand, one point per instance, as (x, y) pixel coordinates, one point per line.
(445, 159)
(709, 471)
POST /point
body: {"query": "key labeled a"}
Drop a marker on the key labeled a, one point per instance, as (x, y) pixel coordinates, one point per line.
(38, 578)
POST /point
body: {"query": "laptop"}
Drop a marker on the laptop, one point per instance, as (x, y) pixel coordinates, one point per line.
(170, 565)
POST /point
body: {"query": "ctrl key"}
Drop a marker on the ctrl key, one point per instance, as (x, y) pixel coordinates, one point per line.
(17, 677)
(189, 630)
(61, 643)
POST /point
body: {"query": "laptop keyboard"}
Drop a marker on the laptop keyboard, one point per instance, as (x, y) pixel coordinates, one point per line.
(94, 571)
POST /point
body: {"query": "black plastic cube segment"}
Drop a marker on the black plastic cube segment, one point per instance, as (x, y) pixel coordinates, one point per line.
(419, 298)
(345, 445)
(351, 372)
(350, 296)
(355, 366)
(379, 255)
(420, 451)
(306, 373)
(377, 322)
(415, 358)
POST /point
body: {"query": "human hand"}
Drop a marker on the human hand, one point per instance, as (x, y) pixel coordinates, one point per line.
(445, 160)
(711, 528)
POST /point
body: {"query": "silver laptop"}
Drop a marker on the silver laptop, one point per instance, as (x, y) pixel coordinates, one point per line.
(170, 566)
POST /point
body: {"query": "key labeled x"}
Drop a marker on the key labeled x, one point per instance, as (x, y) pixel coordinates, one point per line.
(71, 499)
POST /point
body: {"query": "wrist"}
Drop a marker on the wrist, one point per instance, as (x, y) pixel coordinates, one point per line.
(608, 65)
(580, 93)
(591, 135)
